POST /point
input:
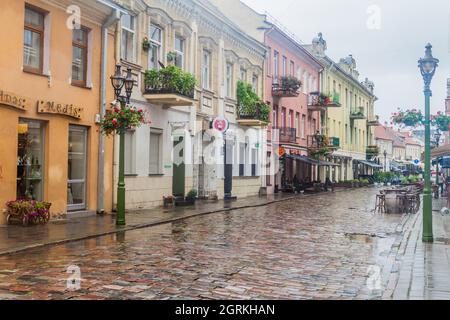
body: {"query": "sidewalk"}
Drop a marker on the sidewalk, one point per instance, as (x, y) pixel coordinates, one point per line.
(19, 238)
(424, 269)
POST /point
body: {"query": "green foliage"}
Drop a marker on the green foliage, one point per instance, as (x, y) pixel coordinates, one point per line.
(409, 118)
(250, 103)
(170, 80)
(192, 194)
(118, 120)
(441, 121)
(290, 83)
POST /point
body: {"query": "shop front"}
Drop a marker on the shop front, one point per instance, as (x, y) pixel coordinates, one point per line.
(49, 153)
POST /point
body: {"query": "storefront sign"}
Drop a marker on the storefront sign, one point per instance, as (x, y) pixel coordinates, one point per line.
(53, 107)
(13, 100)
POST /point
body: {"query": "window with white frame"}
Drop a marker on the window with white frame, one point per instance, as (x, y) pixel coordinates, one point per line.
(297, 124)
(155, 151)
(229, 80)
(243, 75)
(206, 69)
(314, 84)
(284, 66)
(33, 41)
(156, 46)
(128, 35)
(305, 82)
(291, 68)
(269, 61)
(129, 152)
(242, 157)
(180, 44)
(275, 65)
(255, 83)
(303, 127)
(255, 162)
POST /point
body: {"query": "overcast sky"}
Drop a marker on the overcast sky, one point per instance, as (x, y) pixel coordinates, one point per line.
(388, 55)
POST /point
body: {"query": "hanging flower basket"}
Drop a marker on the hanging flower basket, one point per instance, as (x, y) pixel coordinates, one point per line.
(145, 44)
(27, 212)
(408, 118)
(120, 119)
(441, 121)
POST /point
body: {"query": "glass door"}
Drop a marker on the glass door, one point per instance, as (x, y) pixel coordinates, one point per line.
(30, 160)
(76, 180)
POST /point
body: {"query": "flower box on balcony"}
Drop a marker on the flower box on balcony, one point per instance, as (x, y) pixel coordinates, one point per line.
(251, 110)
(358, 114)
(169, 87)
(318, 101)
(286, 87)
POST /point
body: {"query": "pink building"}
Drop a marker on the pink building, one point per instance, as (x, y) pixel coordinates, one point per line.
(292, 124)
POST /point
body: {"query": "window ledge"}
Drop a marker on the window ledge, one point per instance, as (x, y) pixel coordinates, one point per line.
(36, 73)
(131, 175)
(88, 87)
(156, 175)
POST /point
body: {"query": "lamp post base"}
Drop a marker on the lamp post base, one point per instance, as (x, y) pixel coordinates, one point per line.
(427, 236)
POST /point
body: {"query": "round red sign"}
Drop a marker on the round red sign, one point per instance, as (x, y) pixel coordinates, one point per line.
(220, 124)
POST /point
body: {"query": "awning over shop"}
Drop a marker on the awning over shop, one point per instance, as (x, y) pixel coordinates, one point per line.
(370, 164)
(311, 161)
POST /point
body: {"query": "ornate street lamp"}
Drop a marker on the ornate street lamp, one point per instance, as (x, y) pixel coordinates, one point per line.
(119, 82)
(427, 66)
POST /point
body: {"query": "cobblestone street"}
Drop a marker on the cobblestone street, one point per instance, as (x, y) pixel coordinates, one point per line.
(330, 246)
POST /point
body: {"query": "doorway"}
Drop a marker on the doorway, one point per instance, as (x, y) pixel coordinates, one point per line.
(179, 170)
(76, 169)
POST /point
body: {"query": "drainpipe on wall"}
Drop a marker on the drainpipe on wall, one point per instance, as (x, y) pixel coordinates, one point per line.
(113, 18)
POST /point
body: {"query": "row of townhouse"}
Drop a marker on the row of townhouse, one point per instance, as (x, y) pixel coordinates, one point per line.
(55, 87)
(396, 148)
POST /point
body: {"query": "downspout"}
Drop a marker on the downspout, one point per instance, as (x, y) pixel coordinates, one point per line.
(113, 18)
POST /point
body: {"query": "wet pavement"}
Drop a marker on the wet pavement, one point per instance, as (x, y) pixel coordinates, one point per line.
(330, 246)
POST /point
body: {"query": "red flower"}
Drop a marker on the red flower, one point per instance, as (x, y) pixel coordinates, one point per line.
(132, 110)
(140, 110)
(114, 121)
(116, 110)
(122, 113)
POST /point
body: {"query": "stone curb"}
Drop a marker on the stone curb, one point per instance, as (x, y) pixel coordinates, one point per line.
(157, 223)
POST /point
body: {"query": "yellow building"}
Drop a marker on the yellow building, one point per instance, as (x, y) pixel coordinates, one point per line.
(50, 100)
(353, 121)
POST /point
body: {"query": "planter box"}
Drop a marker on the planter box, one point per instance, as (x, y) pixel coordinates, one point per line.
(185, 202)
(24, 214)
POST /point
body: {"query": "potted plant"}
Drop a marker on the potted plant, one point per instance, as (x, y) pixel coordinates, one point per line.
(145, 44)
(120, 119)
(168, 201)
(27, 212)
(191, 196)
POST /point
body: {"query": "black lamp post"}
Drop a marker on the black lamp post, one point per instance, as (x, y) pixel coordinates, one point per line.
(119, 82)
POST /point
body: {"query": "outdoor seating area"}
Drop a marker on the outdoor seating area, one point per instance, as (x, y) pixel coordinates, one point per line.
(399, 200)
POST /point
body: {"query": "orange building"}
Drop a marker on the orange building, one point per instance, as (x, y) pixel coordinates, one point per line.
(53, 87)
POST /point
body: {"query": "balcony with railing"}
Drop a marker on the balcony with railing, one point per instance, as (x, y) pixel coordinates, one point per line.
(169, 87)
(253, 116)
(285, 135)
(372, 152)
(286, 87)
(358, 114)
(318, 101)
(322, 144)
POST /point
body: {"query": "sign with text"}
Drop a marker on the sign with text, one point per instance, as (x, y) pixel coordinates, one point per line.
(53, 107)
(13, 100)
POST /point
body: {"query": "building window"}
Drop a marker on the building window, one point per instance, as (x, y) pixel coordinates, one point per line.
(229, 80)
(242, 159)
(179, 50)
(303, 127)
(255, 161)
(291, 119)
(297, 124)
(284, 66)
(128, 31)
(129, 152)
(33, 43)
(243, 75)
(305, 82)
(291, 69)
(30, 160)
(283, 117)
(206, 67)
(77, 168)
(275, 65)
(155, 152)
(269, 61)
(79, 56)
(156, 46)
(255, 83)
(275, 117)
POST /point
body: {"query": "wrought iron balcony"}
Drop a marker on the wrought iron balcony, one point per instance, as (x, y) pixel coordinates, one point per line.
(286, 87)
(169, 87)
(372, 152)
(254, 116)
(318, 101)
(286, 135)
(319, 141)
(358, 114)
